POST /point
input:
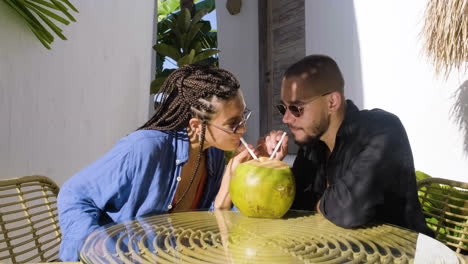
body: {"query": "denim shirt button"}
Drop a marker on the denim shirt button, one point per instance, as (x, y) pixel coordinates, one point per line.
(177, 161)
(179, 178)
(169, 206)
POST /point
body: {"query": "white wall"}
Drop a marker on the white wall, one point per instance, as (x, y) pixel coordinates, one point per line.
(382, 44)
(63, 108)
(238, 42)
(331, 30)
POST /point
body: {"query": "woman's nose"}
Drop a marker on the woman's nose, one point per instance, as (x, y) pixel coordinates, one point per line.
(242, 129)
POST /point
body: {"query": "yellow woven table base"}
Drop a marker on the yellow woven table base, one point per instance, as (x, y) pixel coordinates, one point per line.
(198, 237)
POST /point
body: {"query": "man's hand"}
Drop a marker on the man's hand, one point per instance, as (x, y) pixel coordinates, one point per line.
(267, 144)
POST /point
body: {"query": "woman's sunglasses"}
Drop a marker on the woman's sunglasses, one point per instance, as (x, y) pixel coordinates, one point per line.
(233, 129)
(297, 110)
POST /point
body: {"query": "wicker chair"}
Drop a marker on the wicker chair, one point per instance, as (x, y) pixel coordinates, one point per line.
(28, 220)
(445, 205)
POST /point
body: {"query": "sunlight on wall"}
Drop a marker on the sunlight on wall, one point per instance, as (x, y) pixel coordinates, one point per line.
(238, 42)
(395, 75)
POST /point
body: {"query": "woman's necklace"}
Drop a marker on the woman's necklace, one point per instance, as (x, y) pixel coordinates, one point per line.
(192, 179)
(201, 154)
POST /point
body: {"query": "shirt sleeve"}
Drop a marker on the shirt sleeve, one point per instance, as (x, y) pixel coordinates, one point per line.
(353, 199)
(83, 200)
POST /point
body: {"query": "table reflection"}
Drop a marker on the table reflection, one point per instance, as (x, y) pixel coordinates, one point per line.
(229, 237)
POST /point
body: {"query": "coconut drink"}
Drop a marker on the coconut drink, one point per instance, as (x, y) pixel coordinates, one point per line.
(263, 188)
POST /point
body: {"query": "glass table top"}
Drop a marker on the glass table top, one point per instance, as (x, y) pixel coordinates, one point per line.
(229, 237)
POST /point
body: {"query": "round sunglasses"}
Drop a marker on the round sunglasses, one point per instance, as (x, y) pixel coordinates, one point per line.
(233, 130)
(297, 110)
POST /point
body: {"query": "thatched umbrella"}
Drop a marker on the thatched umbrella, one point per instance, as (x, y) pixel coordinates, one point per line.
(446, 35)
(446, 44)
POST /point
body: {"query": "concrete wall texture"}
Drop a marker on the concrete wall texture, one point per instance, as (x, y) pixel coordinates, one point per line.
(61, 109)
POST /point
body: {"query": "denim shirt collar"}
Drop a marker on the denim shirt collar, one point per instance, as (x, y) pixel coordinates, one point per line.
(182, 142)
(183, 149)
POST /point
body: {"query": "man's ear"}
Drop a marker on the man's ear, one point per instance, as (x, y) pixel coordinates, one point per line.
(334, 101)
(195, 125)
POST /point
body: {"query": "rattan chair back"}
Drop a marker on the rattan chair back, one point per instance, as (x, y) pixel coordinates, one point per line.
(28, 220)
(445, 205)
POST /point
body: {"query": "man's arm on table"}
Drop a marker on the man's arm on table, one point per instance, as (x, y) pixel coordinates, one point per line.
(352, 199)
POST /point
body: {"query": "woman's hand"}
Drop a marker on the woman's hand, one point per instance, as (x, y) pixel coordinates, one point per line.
(223, 198)
(241, 155)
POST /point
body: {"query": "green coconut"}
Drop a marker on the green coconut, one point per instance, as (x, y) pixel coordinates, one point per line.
(263, 188)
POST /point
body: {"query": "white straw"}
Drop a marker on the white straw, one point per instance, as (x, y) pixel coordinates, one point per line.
(277, 145)
(248, 149)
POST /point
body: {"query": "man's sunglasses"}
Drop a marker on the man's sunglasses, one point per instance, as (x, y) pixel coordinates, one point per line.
(297, 110)
(233, 129)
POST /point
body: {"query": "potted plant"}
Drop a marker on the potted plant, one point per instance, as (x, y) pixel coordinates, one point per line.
(183, 39)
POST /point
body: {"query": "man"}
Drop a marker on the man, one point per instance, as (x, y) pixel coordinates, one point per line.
(354, 166)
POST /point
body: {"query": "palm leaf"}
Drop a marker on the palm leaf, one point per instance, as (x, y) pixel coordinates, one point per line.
(43, 11)
(183, 20)
(184, 39)
(165, 8)
(209, 5)
(63, 9)
(70, 5)
(199, 15)
(168, 51)
(39, 14)
(36, 27)
(205, 54)
(187, 59)
(51, 24)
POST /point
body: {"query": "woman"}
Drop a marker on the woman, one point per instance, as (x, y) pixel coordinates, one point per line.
(173, 162)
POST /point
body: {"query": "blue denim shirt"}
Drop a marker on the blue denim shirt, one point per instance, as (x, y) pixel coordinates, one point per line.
(135, 178)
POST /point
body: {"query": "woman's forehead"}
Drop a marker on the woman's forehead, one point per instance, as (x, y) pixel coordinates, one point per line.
(232, 107)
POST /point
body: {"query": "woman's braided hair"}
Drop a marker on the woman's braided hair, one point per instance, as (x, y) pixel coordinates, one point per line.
(188, 92)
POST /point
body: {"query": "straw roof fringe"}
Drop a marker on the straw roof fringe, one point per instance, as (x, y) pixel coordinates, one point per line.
(460, 113)
(446, 35)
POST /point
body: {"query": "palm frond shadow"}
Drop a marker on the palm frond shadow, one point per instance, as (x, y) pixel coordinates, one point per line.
(459, 112)
(44, 16)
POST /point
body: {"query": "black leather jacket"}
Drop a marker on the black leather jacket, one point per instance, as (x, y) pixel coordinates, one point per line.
(370, 173)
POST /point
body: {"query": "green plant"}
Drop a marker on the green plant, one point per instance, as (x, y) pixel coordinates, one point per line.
(183, 39)
(441, 204)
(421, 175)
(39, 12)
(167, 7)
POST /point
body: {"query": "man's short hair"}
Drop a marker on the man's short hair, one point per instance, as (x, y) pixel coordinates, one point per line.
(320, 70)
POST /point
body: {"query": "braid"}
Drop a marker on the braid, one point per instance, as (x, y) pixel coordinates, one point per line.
(186, 91)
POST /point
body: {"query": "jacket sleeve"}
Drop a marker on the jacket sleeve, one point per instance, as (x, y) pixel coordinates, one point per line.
(353, 199)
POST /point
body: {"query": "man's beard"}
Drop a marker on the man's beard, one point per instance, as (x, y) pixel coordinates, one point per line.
(307, 140)
(319, 130)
